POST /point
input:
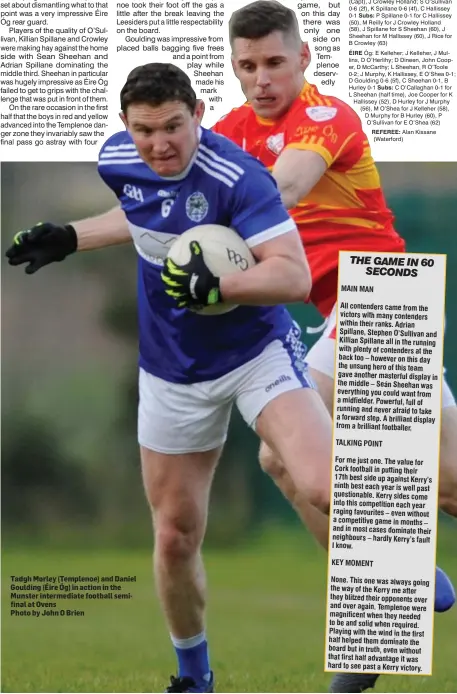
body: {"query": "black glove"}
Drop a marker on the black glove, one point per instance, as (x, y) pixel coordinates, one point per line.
(192, 285)
(42, 244)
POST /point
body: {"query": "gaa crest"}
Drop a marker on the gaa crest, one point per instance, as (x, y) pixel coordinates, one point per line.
(275, 143)
(197, 207)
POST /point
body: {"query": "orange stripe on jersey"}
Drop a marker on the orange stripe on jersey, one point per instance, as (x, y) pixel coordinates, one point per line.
(314, 100)
(306, 145)
(344, 146)
(313, 97)
(264, 121)
(364, 174)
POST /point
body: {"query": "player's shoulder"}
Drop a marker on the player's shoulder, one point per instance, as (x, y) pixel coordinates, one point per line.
(218, 154)
(233, 119)
(334, 103)
(120, 143)
(312, 106)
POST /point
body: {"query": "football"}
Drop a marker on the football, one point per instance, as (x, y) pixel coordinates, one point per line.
(224, 252)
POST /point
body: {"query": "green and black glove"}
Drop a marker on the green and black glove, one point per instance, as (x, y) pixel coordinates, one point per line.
(44, 243)
(192, 285)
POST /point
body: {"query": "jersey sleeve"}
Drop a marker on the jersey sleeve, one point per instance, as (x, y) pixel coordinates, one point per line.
(331, 131)
(230, 126)
(219, 125)
(258, 213)
(115, 158)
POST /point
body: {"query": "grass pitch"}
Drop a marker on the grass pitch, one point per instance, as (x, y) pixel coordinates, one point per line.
(265, 624)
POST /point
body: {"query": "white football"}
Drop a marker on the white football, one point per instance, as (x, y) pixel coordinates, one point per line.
(224, 252)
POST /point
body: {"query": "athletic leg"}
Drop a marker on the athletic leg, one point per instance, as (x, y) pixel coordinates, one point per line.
(316, 521)
(279, 401)
(297, 427)
(177, 488)
(181, 433)
(311, 517)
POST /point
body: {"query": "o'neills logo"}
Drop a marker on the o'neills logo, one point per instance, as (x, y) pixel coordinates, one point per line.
(281, 379)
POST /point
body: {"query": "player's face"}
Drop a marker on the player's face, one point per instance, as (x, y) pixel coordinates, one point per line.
(270, 71)
(166, 135)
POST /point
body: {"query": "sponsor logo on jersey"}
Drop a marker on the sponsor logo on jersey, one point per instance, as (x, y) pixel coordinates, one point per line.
(155, 260)
(275, 143)
(152, 245)
(196, 207)
(166, 193)
(306, 130)
(321, 113)
(133, 192)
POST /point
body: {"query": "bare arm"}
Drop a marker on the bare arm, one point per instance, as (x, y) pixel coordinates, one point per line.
(282, 274)
(296, 172)
(108, 229)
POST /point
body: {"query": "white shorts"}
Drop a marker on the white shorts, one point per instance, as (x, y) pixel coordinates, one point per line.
(185, 418)
(321, 357)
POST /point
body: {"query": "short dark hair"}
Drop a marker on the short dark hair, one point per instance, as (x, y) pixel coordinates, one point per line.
(156, 83)
(261, 18)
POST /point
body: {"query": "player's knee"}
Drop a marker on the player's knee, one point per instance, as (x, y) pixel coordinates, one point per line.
(177, 539)
(448, 503)
(318, 496)
(314, 490)
(269, 462)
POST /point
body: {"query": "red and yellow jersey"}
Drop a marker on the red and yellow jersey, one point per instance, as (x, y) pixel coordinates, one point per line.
(346, 210)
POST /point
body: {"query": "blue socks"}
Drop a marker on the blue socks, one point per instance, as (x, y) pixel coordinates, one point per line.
(193, 659)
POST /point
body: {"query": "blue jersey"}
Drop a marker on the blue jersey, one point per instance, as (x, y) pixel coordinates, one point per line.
(222, 185)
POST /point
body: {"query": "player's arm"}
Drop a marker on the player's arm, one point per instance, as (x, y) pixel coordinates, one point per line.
(281, 275)
(317, 138)
(108, 229)
(296, 173)
(47, 243)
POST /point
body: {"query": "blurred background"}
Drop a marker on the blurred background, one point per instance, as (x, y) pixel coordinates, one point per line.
(71, 488)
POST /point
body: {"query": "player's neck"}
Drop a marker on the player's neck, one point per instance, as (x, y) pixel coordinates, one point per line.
(303, 87)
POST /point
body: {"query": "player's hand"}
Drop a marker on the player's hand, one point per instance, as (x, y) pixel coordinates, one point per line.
(44, 243)
(192, 285)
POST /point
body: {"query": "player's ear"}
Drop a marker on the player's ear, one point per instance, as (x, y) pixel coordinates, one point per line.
(305, 55)
(123, 118)
(199, 111)
(233, 61)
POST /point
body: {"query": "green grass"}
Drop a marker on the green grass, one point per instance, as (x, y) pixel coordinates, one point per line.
(266, 625)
